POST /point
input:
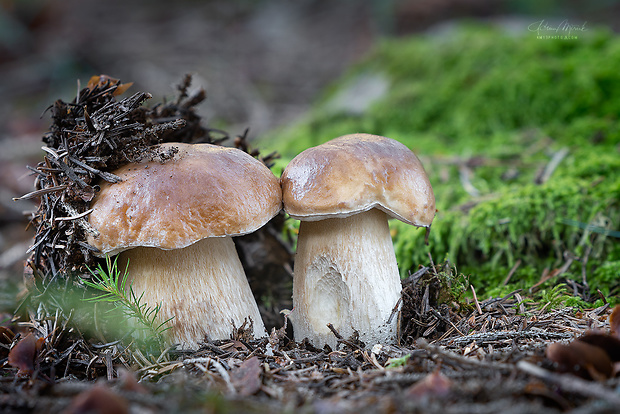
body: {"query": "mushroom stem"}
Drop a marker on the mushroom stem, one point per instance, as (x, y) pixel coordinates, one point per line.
(345, 274)
(202, 287)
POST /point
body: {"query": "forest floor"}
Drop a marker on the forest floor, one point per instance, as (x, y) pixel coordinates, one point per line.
(477, 356)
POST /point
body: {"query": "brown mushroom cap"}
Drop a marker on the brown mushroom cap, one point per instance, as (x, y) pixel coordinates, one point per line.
(202, 191)
(355, 173)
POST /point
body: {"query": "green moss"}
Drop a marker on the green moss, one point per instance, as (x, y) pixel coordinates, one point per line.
(472, 85)
(527, 222)
(606, 278)
(503, 105)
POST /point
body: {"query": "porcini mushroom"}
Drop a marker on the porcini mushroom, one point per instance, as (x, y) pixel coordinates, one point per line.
(171, 218)
(345, 270)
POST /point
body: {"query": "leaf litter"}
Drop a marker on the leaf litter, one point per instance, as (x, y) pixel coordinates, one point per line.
(453, 354)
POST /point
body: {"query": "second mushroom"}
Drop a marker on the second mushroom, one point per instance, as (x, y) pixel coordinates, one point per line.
(172, 218)
(345, 270)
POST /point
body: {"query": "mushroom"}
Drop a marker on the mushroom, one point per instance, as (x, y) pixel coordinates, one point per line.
(171, 218)
(345, 270)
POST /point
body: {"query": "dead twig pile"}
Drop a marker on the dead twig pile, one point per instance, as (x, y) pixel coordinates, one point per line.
(89, 138)
(475, 372)
(494, 355)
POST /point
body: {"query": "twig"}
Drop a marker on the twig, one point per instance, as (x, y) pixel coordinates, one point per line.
(105, 175)
(570, 258)
(432, 263)
(340, 337)
(395, 310)
(217, 365)
(334, 331)
(445, 320)
(42, 191)
(480, 338)
(79, 220)
(551, 166)
(491, 301)
(473, 291)
(511, 272)
(464, 174)
(214, 348)
(584, 263)
(571, 383)
(444, 354)
(520, 300)
(414, 277)
(87, 212)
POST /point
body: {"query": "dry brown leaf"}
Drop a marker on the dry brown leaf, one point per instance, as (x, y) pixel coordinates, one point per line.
(98, 400)
(129, 382)
(101, 80)
(582, 359)
(93, 82)
(122, 88)
(433, 385)
(614, 321)
(246, 378)
(608, 343)
(22, 354)
(238, 345)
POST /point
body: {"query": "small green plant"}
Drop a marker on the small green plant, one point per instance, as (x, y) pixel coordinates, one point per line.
(553, 298)
(397, 362)
(453, 285)
(113, 283)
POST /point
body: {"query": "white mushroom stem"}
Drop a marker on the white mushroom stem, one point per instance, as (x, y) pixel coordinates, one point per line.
(345, 274)
(202, 287)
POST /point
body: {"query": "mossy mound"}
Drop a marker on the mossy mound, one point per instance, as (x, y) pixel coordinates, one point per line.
(520, 138)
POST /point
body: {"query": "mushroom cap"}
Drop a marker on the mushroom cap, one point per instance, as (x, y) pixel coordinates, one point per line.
(355, 173)
(200, 191)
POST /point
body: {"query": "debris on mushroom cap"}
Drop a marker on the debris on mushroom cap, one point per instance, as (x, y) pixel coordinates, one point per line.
(201, 191)
(91, 136)
(356, 173)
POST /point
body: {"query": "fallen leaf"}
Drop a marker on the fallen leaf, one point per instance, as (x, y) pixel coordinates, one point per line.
(614, 321)
(22, 355)
(539, 388)
(129, 382)
(582, 359)
(608, 343)
(101, 81)
(93, 82)
(98, 400)
(122, 88)
(433, 385)
(246, 378)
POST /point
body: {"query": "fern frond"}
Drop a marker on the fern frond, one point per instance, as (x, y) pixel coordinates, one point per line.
(113, 285)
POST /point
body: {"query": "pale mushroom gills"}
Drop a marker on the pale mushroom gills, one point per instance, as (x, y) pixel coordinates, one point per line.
(172, 219)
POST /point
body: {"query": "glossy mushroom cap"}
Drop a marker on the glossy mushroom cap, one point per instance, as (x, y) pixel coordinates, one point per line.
(355, 173)
(192, 192)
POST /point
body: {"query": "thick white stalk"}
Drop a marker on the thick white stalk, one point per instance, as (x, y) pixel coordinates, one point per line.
(203, 287)
(345, 274)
